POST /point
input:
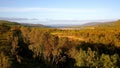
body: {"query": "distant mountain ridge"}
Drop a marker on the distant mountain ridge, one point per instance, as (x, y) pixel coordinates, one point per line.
(33, 25)
(22, 24)
(99, 24)
(8, 22)
(95, 24)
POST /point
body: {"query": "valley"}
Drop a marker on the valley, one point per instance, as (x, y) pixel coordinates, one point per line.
(38, 46)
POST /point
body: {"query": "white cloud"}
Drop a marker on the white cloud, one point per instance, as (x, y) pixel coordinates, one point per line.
(2, 9)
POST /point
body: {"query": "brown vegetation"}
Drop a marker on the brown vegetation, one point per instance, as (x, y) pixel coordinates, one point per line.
(31, 47)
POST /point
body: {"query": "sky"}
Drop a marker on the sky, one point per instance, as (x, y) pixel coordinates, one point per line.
(59, 11)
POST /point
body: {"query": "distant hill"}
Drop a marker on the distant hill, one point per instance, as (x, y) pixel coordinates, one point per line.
(99, 24)
(33, 25)
(109, 24)
(93, 23)
(8, 23)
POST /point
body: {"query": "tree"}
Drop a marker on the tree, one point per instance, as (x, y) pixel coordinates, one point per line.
(105, 61)
(81, 58)
(4, 61)
(19, 47)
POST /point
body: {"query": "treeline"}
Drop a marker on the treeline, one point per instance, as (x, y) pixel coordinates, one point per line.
(27, 47)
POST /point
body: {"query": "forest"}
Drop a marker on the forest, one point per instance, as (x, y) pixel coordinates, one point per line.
(34, 47)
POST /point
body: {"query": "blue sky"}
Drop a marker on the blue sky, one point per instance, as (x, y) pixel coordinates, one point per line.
(59, 11)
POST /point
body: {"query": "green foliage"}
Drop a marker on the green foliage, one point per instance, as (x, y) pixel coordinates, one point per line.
(106, 62)
(87, 58)
(80, 58)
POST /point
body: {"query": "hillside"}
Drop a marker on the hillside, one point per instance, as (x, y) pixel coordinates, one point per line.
(91, 25)
(114, 24)
(8, 23)
(21, 24)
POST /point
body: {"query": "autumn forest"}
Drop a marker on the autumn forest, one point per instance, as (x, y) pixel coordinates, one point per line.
(23, 46)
